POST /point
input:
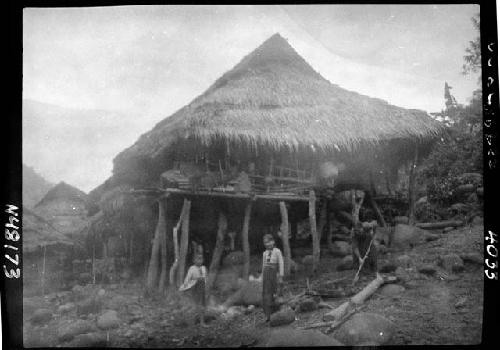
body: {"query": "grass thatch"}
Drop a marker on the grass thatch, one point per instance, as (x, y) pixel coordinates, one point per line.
(38, 232)
(63, 191)
(273, 97)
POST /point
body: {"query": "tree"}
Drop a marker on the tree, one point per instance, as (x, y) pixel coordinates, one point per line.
(472, 58)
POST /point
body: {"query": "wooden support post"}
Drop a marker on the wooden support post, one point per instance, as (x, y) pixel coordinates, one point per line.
(411, 189)
(43, 270)
(184, 241)
(314, 232)
(285, 233)
(322, 219)
(154, 262)
(162, 228)
(244, 240)
(357, 197)
(217, 253)
(376, 209)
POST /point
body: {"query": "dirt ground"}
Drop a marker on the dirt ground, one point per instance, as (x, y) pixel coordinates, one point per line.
(445, 308)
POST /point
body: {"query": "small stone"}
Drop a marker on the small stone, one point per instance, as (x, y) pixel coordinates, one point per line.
(340, 248)
(67, 332)
(461, 302)
(387, 267)
(89, 340)
(403, 261)
(427, 269)
(108, 320)
(477, 220)
(307, 305)
(451, 262)
(474, 258)
(41, 316)
(431, 237)
(101, 293)
(460, 207)
(282, 317)
(307, 260)
(447, 229)
(68, 307)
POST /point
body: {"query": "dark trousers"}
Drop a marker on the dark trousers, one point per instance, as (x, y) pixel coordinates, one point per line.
(269, 289)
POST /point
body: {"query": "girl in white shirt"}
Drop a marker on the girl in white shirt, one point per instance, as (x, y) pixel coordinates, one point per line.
(195, 282)
(272, 275)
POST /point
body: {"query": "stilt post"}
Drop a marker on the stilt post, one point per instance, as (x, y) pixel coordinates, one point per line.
(314, 231)
(244, 240)
(285, 234)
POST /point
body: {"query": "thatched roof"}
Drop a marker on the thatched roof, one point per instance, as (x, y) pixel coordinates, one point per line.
(275, 98)
(38, 232)
(63, 191)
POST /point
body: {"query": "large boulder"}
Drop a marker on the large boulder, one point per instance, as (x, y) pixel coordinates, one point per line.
(282, 317)
(287, 337)
(365, 329)
(340, 248)
(451, 262)
(65, 308)
(68, 331)
(108, 320)
(89, 340)
(307, 305)
(90, 305)
(406, 236)
(41, 316)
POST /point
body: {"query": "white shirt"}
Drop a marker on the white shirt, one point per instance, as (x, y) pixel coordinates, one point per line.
(274, 257)
(192, 276)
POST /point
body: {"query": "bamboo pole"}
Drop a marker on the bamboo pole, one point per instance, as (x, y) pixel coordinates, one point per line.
(244, 240)
(218, 249)
(411, 189)
(154, 261)
(285, 234)
(314, 232)
(43, 270)
(184, 242)
(163, 243)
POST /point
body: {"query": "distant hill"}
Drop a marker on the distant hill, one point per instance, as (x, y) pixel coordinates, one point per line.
(35, 187)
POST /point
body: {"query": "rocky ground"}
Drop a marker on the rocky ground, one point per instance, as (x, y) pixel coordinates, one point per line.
(438, 299)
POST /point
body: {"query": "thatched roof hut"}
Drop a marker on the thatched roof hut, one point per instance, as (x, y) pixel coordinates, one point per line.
(274, 99)
(38, 232)
(64, 206)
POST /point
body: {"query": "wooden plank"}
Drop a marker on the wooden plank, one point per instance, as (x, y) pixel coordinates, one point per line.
(217, 253)
(184, 242)
(314, 231)
(162, 228)
(244, 240)
(285, 234)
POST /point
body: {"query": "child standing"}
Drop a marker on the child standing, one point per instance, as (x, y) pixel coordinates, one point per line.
(272, 275)
(195, 282)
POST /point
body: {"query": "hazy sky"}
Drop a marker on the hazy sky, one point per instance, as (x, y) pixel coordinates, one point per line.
(149, 61)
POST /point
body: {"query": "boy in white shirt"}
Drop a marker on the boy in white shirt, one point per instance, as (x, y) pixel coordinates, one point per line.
(272, 275)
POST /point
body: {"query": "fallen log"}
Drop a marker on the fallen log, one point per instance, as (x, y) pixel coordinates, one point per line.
(355, 301)
(439, 224)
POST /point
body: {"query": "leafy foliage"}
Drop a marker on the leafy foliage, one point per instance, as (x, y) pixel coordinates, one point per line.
(472, 58)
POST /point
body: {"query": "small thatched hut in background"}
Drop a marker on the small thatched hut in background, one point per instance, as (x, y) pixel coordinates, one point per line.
(270, 142)
(64, 206)
(45, 254)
